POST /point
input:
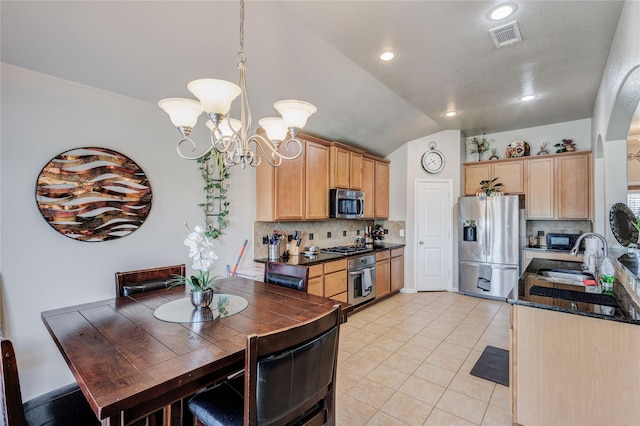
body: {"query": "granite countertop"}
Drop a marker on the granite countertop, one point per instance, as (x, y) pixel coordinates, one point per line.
(545, 249)
(327, 257)
(626, 311)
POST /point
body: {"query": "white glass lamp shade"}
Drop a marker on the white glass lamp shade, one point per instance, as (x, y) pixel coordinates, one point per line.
(274, 127)
(215, 95)
(295, 113)
(224, 126)
(183, 112)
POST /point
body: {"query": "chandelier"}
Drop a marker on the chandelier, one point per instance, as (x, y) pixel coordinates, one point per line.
(230, 136)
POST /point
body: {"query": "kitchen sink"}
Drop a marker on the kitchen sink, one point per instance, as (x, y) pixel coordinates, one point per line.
(564, 276)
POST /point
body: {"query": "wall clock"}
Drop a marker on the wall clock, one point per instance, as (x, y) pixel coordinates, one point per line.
(432, 160)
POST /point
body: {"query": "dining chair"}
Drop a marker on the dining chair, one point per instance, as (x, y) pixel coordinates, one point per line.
(131, 282)
(291, 276)
(65, 406)
(289, 378)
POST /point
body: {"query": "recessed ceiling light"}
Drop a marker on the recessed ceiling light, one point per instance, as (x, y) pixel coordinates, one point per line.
(451, 113)
(502, 11)
(387, 55)
(527, 98)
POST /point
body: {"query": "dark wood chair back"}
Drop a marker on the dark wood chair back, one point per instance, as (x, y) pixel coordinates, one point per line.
(57, 407)
(291, 276)
(289, 378)
(131, 282)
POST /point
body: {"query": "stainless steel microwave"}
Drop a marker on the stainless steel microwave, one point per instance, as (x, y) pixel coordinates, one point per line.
(345, 204)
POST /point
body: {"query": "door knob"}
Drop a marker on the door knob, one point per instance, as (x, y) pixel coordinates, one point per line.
(421, 242)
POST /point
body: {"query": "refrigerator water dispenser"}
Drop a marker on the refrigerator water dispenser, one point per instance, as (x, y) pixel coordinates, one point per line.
(470, 231)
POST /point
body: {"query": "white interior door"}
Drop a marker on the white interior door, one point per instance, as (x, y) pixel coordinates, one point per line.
(434, 222)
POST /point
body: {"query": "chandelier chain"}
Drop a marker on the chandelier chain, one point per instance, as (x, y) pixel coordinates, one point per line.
(241, 55)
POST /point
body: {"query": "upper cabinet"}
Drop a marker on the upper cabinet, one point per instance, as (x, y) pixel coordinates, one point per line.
(381, 202)
(368, 169)
(298, 189)
(560, 187)
(346, 164)
(509, 173)
(556, 186)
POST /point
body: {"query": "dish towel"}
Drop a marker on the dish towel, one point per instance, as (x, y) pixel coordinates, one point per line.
(484, 277)
(366, 282)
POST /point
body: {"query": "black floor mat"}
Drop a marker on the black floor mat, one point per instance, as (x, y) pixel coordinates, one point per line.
(577, 296)
(493, 365)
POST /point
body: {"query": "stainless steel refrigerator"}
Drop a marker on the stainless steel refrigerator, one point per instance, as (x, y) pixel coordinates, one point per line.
(491, 233)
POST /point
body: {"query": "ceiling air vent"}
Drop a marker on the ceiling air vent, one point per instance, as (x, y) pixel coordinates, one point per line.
(506, 35)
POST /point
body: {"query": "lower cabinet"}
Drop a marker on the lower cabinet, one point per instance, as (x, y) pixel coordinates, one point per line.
(335, 280)
(316, 280)
(572, 369)
(383, 273)
(329, 279)
(397, 269)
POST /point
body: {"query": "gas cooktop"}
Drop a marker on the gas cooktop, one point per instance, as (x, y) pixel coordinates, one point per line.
(345, 250)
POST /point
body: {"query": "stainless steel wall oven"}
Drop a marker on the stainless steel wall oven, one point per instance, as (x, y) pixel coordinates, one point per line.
(361, 279)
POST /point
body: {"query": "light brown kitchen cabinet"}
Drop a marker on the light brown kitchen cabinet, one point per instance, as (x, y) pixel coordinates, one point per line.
(397, 269)
(368, 186)
(345, 167)
(573, 186)
(559, 187)
(299, 188)
(383, 274)
(316, 181)
(540, 189)
(572, 369)
(335, 280)
(355, 176)
(340, 167)
(381, 201)
(509, 172)
(316, 280)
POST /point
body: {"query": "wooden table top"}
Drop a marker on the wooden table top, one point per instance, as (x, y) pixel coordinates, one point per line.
(127, 361)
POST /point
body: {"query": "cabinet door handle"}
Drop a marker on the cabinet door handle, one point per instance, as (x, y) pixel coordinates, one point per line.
(421, 242)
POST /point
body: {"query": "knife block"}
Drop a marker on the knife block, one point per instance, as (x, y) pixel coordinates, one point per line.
(294, 250)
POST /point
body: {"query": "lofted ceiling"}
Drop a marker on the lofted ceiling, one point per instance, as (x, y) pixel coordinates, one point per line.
(325, 52)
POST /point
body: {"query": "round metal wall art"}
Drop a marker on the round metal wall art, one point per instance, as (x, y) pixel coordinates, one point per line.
(93, 194)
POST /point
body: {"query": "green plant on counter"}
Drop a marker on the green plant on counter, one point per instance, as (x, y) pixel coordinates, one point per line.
(215, 207)
(636, 224)
(490, 186)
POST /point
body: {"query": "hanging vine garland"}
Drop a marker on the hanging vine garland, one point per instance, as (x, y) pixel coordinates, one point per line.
(215, 207)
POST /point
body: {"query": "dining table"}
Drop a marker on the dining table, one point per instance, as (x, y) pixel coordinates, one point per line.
(132, 357)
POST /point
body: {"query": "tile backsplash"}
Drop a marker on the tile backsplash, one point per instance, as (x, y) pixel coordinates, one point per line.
(328, 233)
(557, 226)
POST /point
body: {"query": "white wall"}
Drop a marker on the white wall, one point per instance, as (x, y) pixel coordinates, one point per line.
(397, 182)
(617, 99)
(41, 269)
(448, 142)
(578, 130)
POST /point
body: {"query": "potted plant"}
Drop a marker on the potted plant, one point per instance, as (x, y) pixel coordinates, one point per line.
(566, 145)
(490, 186)
(479, 146)
(201, 251)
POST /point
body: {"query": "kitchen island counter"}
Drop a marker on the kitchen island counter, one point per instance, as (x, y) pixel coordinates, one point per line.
(627, 310)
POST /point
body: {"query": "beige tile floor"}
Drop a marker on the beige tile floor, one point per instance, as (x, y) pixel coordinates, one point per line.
(406, 361)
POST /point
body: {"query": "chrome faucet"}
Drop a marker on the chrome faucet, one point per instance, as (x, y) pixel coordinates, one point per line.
(586, 263)
(576, 246)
